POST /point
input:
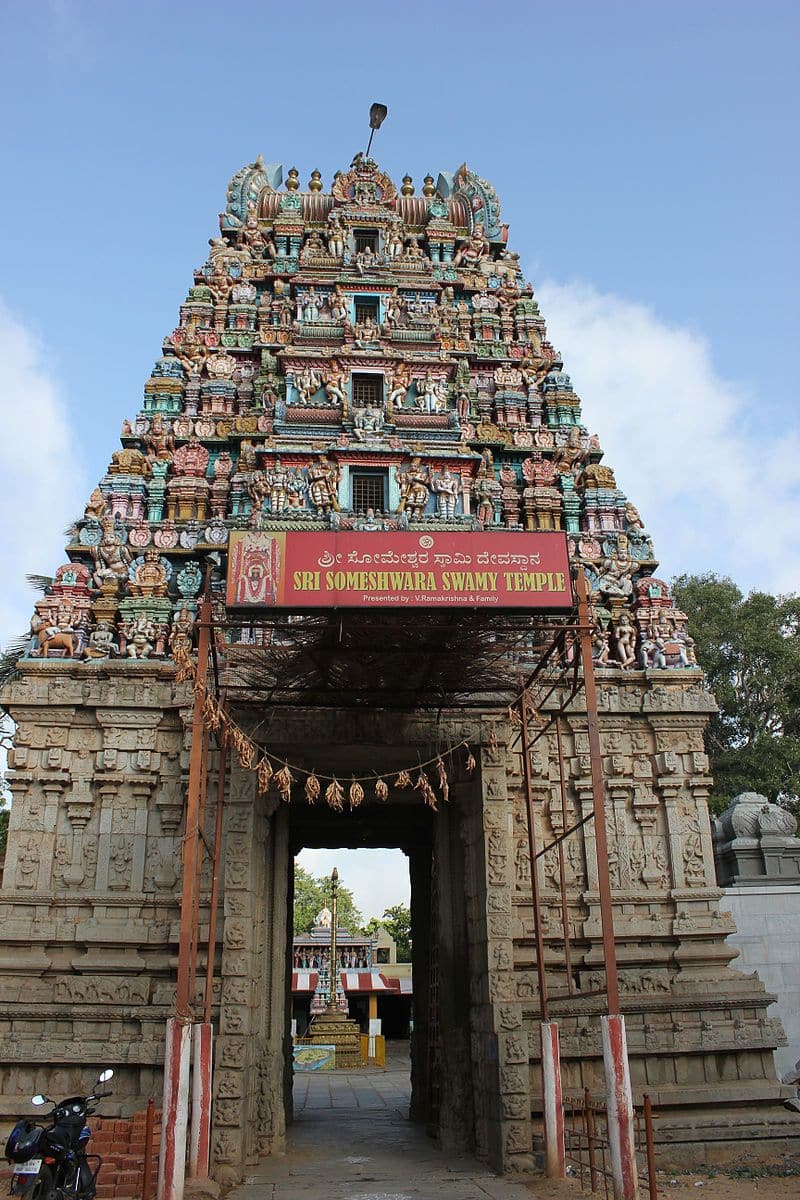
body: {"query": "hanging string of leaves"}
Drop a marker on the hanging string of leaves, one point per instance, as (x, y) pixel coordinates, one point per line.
(217, 719)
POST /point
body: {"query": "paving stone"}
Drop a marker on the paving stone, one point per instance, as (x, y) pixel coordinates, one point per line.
(351, 1140)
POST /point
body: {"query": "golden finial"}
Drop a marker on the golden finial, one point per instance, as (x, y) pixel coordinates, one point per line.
(293, 180)
(428, 188)
(315, 182)
(408, 186)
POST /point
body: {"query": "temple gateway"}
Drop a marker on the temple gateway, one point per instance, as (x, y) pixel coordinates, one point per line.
(325, 595)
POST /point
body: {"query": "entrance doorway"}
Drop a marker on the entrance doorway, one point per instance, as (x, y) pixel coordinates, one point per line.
(444, 853)
(453, 869)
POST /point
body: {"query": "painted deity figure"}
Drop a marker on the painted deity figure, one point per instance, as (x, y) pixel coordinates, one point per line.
(96, 506)
(101, 641)
(277, 480)
(486, 492)
(366, 331)
(625, 641)
(336, 235)
(314, 246)
(616, 574)
(339, 307)
(401, 380)
(369, 523)
(569, 458)
(367, 421)
(149, 577)
(192, 352)
(322, 478)
(429, 395)
(447, 487)
(414, 488)
(365, 260)
(158, 441)
(476, 248)
(111, 558)
(394, 242)
(296, 488)
(309, 306)
(180, 637)
(141, 637)
(307, 383)
(395, 309)
(335, 384)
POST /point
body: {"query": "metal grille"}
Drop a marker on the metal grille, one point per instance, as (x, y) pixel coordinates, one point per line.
(366, 239)
(368, 493)
(367, 389)
(366, 310)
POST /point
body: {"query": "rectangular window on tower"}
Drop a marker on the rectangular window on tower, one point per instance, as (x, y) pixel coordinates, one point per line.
(369, 490)
(366, 239)
(367, 389)
(367, 308)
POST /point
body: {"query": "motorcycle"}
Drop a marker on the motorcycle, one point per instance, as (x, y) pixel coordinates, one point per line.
(50, 1160)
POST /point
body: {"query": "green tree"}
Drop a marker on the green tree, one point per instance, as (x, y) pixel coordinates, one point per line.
(749, 648)
(312, 894)
(397, 922)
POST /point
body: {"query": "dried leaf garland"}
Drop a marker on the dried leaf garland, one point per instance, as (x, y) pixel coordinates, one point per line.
(312, 789)
(334, 796)
(356, 794)
(247, 753)
(428, 795)
(210, 713)
(492, 738)
(264, 775)
(403, 780)
(283, 782)
(444, 784)
(470, 764)
(381, 790)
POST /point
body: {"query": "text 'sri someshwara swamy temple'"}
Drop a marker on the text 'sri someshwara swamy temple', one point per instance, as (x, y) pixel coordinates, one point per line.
(326, 589)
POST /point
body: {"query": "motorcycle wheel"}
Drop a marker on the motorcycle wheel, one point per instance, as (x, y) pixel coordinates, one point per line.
(45, 1186)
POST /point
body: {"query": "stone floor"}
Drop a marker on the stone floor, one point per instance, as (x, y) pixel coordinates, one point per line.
(351, 1140)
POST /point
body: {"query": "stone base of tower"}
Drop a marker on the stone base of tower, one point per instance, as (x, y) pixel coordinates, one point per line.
(89, 910)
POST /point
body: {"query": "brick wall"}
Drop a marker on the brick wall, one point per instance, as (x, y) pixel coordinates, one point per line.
(120, 1143)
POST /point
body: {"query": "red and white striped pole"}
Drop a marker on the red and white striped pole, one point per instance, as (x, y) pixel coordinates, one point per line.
(200, 1134)
(619, 1106)
(174, 1110)
(553, 1106)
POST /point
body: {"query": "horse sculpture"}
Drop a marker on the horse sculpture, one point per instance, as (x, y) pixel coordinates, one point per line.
(50, 637)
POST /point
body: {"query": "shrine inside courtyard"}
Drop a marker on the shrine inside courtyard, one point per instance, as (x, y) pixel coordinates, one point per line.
(325, 595)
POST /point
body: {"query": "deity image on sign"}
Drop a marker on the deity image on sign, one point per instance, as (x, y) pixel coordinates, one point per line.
(255, 569)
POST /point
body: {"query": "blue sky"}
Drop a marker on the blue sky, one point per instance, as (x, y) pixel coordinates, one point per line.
(644, 154)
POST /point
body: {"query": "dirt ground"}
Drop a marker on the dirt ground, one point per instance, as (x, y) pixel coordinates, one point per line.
(713, 1184)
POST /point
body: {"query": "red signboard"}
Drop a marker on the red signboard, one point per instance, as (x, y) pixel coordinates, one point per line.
(423, 570)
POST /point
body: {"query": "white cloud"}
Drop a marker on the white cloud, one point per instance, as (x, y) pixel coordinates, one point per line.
(378, 879)
(717, 490)
(42, 487)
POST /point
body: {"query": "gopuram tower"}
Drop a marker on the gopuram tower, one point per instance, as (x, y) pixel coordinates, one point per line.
(361, 378)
